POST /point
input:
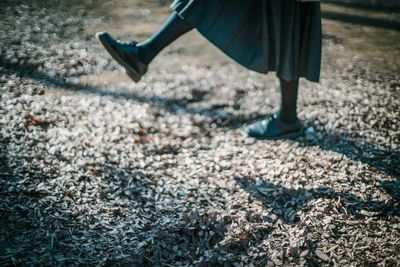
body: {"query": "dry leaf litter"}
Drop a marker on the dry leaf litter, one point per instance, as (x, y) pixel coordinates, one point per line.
(159, 173)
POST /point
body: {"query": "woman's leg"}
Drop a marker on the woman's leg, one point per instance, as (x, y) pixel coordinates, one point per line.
(283, 124)
(136, 57)
(288, 109)
(173, 28)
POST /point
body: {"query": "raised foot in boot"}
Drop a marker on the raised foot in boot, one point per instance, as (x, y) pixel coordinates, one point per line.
(125, 53)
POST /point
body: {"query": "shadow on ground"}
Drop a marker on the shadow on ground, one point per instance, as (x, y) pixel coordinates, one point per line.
(286, 203)
(362, 20)
(383, 159)
(184, 236)
(388, 5)
(60, 238)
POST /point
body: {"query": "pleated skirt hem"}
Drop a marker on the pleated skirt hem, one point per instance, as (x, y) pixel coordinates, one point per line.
(284, 36)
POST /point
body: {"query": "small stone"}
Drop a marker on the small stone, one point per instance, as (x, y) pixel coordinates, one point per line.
(321, 255)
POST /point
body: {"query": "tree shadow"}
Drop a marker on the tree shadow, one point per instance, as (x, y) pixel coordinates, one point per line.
(388, 6)
(362, 20)
(43, 227)
(286, 203)
(35, 231)
(178, 106)
(386, 160)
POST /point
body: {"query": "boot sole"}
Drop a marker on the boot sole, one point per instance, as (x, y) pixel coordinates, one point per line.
(290, 135)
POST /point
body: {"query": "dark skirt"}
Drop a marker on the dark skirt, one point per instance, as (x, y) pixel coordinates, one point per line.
(263, 35)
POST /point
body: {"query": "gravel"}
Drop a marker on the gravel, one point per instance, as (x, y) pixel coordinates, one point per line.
(159, 173)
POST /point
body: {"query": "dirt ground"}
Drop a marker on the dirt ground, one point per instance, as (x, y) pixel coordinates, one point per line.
(97, 170)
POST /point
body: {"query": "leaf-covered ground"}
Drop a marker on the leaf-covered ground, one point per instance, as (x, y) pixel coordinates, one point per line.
(97, 170)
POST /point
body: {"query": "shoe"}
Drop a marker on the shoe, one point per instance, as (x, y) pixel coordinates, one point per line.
(125, 53)
(273, 129)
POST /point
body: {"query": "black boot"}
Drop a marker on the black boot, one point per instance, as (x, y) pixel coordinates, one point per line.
(274, 128)
(126, 54)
